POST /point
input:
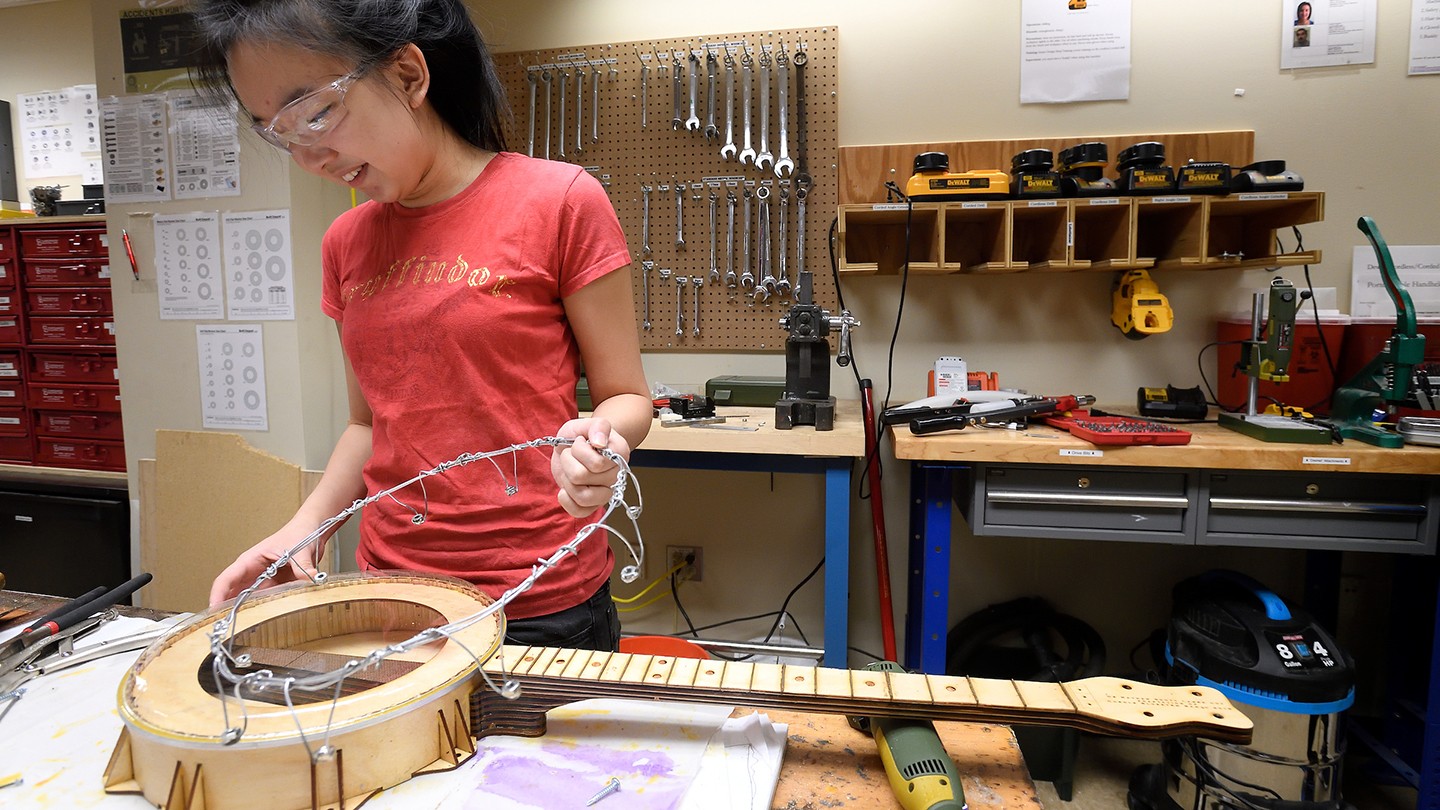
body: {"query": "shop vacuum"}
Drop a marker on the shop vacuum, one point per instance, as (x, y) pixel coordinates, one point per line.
(1285, 672)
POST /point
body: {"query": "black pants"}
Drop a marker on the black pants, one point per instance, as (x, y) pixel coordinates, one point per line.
(591, 625)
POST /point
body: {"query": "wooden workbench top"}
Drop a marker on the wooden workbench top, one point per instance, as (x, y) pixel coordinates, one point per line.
(1211, 447)
(847, 440)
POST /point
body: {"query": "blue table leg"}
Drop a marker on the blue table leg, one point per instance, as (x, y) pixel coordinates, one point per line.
(837, 562)
(928, 595)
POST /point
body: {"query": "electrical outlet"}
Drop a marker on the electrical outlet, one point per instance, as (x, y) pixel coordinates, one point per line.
(676, 555)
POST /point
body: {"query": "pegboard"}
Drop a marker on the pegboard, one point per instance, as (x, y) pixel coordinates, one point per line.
(637, 146)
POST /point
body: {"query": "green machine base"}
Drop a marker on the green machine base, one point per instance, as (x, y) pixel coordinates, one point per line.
(1275, 428)
(745, 391)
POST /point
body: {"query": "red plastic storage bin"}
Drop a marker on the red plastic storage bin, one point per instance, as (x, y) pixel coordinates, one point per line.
(74, 397)
(71, 424)
(1311, 379)
(92, 454)
(57, 366)
(63, 242)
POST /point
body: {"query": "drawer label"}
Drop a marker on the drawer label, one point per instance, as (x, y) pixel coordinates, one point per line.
(1337, 462)
(1084, 453)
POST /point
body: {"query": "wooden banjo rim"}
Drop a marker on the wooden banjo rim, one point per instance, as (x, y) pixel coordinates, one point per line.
(175, 659)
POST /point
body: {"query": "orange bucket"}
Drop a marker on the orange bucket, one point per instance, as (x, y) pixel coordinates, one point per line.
(662, 645)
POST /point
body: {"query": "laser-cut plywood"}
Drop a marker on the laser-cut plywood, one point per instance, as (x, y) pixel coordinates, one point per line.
(628, 156)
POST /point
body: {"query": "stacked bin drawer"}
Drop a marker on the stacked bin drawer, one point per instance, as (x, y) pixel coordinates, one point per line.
(15, 439)
(72, 391)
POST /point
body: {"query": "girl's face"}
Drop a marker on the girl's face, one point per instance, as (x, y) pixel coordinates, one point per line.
(374, 144)
(1304, 13)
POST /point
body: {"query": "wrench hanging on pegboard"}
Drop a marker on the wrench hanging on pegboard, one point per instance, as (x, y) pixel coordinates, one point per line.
(650, 128)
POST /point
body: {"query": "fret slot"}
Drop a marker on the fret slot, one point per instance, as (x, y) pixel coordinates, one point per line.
(910, 686)
(635, 671)
(710, 674)
(561, 661)
(542, 660)
(948, 690)
(832, 683)
(578, 660)
(659, 671)
(595, 666)
(996, 693)
(1048, 697)
(524, 660)
(869, 684)
(615, 667)
(684, 672)
(738, 675)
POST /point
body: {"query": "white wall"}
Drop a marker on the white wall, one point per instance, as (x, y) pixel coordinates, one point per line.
(911, 71)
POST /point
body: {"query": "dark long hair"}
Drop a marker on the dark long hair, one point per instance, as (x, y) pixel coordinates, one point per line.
(464, 88)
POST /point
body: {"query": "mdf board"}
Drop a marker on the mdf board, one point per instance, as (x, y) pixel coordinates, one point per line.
(210, 496)
(637, 147)
(864, 170)
(9, 189)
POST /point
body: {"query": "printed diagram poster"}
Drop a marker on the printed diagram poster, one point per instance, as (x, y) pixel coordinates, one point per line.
(1323, 33)
(137, 151)
(188, 266)
(57, 128)
(1424, 37)
(1074, 50)
(259, 279)
(206, 148)
(1418, 267)
(232, 377)
(157, 47)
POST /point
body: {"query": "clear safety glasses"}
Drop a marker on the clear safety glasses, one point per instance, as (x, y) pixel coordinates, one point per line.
(304, 121)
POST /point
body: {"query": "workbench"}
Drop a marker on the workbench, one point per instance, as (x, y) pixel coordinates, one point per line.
(1221, 489)
(827, 764)
(799, 450)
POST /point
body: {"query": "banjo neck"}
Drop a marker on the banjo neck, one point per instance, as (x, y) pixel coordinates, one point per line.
(551, 676)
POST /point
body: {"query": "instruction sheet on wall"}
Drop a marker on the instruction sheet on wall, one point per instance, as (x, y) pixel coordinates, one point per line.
(137, 151)
(232, 376)
(1322, 33)
(259, 277)
(187, 266)
(1077, 51)
(1418, 268)
(206, 146)
(57, 129)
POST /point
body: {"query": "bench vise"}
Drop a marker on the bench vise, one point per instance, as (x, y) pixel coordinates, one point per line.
(807, 399)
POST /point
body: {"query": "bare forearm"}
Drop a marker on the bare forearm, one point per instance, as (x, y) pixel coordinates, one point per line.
(342, 482)
(629, 415)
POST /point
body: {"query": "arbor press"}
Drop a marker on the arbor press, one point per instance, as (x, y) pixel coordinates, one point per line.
(807, 399)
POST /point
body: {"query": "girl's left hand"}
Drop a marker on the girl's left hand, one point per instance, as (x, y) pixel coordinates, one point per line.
(585, 477)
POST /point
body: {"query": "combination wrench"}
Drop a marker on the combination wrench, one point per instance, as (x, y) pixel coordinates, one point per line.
(784, 166)
(711, 64)
(799, 60)
(547, 79)
(645, 267)
(680, 282)
(677, 121)
(762, 247)
(714, 235)
(747, 278)
(747, 154)
(645, 221)
(579, 108)
(692, 123)
(727, 152)
(530, 76)
(782, 283)
(730, 277)
(644, 89)
(764, 160)
(696, 283)
(595, 104)
(679, 216)
(802, 192)
(564, 92)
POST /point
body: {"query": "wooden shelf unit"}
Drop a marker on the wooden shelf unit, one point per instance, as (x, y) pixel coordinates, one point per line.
(1110, 233)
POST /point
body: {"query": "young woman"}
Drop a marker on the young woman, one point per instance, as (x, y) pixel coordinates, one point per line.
(468, 292)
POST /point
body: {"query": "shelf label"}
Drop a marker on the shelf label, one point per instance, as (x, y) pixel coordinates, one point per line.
(1043, 203)
(973, 205)
(889, 207)
(1084, 453)
(1334, 462)
(1069, 234)
(1264, 195)
(1182, 198)
(1105, 201)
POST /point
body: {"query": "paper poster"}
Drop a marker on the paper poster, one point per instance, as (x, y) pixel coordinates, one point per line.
(57, 129)
(1077, 50)
(1321, 33)
(205, 146)
(137, 150)
(188, 266)
(259, 279)
(157, 47)
(1424, 37)
(1418, 267)
(232, 377)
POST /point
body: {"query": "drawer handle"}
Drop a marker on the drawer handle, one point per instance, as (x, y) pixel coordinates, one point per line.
(1345, 507)
(1088, 499)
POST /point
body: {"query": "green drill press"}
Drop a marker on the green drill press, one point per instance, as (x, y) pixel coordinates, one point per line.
(1389, 379)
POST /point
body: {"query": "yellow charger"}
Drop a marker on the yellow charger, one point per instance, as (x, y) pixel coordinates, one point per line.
(1137, 307)
(934, 182)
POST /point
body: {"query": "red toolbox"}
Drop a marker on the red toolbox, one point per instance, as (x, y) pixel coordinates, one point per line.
(68, 301)
(66, 272)
(69, 367)
(72, 331)
(60, 243)
(94, 454)
(74, 397)
(76, 425)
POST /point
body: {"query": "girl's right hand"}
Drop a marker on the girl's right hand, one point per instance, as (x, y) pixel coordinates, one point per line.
(241, 574)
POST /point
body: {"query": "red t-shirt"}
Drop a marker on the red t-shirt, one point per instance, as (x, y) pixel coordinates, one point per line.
(455, 327)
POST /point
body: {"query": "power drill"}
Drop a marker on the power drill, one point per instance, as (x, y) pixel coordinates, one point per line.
(921, 773)
(807, 399)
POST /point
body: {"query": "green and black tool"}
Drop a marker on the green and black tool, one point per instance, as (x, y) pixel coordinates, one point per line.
(921, 773)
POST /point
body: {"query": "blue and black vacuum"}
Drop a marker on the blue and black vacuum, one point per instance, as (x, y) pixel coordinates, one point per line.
(1284, 671)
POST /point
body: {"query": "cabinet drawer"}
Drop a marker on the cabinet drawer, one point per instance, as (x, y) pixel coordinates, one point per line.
(12, 393)
(67, 272)
(61, 243)
(74, 397)
(9, 303)
(7, 247)
(69, 367)
(96, 331)
(16, 449)
(7, 275)
(76, 425)
(13, 421)
(1334, 511)
(1083, 502)
(10, 367)
(10, 332)
(68, 301)
(94, 454)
